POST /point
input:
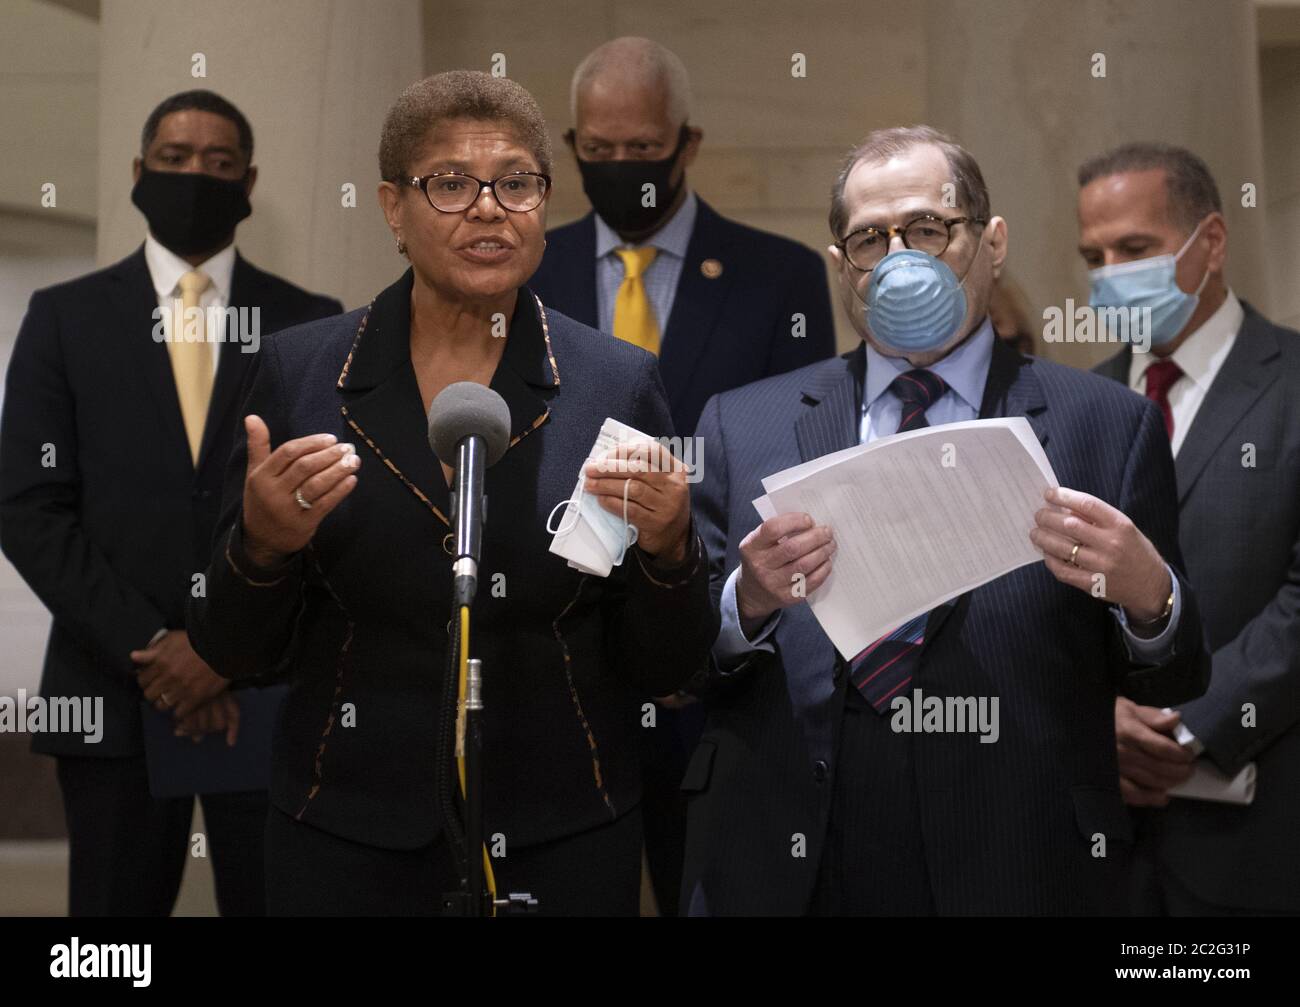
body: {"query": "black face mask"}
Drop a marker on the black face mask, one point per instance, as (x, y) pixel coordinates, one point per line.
(616, 193)
(189, 212)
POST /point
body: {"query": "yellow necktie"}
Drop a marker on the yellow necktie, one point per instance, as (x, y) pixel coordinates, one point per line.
(634, 318)
(192, 361)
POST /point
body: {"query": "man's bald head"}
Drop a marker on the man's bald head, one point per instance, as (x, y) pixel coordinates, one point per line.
(631, 66)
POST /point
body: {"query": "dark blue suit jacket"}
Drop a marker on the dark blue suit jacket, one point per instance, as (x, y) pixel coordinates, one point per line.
(1008, 827)
(360, 615)
(725, 331)
(1240, 528)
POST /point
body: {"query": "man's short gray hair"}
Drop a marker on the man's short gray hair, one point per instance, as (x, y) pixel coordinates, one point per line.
(642, 62)
(458, 94)
(1189, 186)
(881, 144)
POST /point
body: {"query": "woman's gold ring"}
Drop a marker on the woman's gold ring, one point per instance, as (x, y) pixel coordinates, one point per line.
(1074, 555)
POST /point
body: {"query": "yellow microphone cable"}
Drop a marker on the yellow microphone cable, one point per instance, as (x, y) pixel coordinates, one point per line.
(461, 689)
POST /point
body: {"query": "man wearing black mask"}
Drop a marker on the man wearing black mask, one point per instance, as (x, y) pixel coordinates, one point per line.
(720, 303)
(120, 409)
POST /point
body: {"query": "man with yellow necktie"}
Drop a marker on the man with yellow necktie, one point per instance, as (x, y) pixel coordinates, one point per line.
(120, 410)
(719, 303)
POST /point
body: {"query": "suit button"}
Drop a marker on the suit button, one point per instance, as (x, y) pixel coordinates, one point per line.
(820, 770)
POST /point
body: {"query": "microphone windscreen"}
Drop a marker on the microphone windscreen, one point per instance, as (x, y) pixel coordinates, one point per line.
(464, 409)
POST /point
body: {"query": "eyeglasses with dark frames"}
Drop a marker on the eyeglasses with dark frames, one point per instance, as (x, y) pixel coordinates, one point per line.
(865, 247)
(455, 191)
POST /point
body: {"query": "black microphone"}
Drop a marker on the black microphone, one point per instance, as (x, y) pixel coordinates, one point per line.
(470, 423)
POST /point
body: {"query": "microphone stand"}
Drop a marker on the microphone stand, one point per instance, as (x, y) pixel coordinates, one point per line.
(469, 511)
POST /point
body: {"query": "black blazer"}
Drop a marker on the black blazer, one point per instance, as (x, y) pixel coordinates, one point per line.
(1008, 827)
(1240, 531)
(725, 330)
(102, 509)
(361, 615)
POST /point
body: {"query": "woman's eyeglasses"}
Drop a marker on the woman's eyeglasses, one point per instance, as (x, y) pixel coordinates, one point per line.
(455, 192)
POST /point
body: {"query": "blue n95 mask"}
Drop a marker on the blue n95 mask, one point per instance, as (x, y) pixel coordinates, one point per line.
(914, 302)
(1147, 283)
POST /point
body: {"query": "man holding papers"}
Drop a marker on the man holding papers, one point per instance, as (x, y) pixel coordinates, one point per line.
(962, 761)
(1228, 383)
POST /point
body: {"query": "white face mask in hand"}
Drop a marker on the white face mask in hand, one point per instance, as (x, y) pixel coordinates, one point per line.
(591, 538)
(615, 535)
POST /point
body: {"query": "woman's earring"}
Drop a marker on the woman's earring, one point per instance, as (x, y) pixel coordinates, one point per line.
(401, 247)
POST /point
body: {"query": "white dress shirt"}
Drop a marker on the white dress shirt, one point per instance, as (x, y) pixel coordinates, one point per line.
(166, 269)
(1199, 356)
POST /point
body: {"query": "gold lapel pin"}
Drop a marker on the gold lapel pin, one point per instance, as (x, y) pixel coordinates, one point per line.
(711, 268)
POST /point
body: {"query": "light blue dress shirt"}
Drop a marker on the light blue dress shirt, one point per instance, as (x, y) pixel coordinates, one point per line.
(660, 278)
(965, 371)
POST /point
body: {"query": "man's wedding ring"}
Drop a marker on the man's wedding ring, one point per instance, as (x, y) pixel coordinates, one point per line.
(297, 495)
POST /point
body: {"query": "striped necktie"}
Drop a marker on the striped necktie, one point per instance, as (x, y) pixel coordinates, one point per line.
(634, 317)
(886, 666)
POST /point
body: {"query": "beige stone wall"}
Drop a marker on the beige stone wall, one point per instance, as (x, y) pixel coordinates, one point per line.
(1018, 86)
(314, 77)
(772, 142)
(1280, 200)
(49, 76)
(1011, 79)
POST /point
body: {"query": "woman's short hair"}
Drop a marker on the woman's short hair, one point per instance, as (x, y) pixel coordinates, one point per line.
(458, 94)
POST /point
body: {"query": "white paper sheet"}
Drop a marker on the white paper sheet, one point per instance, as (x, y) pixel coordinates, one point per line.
(1209, 783)
(919, 518)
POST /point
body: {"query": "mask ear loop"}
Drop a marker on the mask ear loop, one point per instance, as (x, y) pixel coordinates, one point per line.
(630, 531)
(576, 511)
(1188, 244)
(574, 507)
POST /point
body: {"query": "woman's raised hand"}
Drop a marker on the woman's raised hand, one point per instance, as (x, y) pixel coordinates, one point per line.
(289, 491)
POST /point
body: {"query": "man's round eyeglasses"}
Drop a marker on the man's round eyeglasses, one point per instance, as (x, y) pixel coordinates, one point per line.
(455, 192)
(865, 247)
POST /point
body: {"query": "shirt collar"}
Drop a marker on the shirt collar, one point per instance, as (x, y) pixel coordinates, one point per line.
(1202, 353)
(166, 268)
(965, 369)
(674, 237)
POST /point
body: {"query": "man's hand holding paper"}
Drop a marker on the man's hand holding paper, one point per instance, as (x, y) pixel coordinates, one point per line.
(782, 561)
(925, 516)
(1081, 536)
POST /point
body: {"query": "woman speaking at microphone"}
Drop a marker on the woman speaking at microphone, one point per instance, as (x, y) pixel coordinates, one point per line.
(333, 562)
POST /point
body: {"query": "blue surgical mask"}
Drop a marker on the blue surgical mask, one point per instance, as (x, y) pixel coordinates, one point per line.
(914, 302)
(1148, 283)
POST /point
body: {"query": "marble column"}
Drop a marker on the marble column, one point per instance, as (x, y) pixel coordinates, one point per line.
(1019, 84)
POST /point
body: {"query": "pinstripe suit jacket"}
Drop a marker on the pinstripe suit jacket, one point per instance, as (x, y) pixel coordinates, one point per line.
(1010, 827)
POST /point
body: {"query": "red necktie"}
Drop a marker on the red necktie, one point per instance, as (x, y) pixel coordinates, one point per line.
(1161, 376)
